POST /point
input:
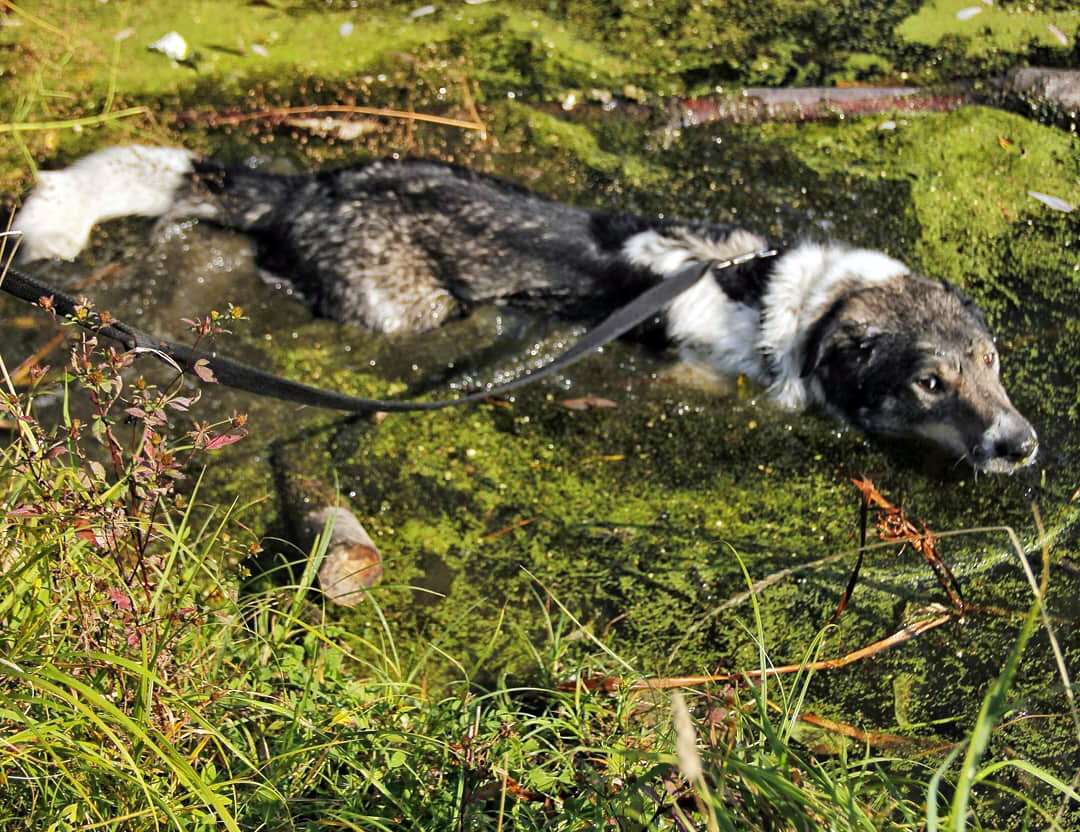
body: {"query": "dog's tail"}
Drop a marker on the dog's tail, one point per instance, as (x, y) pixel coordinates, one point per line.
(56, 219)
(133, 180)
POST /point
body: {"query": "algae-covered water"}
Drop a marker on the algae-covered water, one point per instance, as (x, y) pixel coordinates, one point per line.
(643, 520)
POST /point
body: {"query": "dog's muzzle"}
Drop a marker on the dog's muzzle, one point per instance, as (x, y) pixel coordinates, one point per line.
(1010, 443)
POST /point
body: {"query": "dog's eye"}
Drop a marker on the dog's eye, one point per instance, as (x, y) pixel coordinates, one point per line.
(930, 383)
(989, 358)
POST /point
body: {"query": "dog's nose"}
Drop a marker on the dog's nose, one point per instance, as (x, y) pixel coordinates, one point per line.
(1019, 445)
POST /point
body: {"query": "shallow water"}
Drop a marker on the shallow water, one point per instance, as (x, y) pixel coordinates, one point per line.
(640, 519)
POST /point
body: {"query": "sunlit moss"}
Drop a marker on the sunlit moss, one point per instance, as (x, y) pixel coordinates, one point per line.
(987, 28)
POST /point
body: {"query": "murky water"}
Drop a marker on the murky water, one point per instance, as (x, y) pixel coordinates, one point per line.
(637, 517)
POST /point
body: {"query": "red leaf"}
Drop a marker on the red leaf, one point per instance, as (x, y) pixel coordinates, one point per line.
(119, 598)
(87, 533)
(223, 440)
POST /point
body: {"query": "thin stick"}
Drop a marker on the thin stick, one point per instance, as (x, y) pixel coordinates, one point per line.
(507, 529)
(44, 24)
(610, 683)
(875, 739)
(470, 105)
(882, 739)
(86, 121)
(285, 112)
(864, 513)
(21, 373)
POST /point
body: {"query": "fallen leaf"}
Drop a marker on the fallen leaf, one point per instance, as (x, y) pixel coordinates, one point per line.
(586, 402)
(1054, 202)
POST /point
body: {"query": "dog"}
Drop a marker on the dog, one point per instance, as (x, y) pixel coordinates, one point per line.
(400, 246)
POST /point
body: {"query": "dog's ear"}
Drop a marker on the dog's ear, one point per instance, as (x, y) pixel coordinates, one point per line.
(969, 305)
(837, 335)
(820, 334)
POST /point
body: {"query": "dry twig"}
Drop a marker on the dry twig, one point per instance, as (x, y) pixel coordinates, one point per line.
(893, 526)
(611, 683)
(281, 114)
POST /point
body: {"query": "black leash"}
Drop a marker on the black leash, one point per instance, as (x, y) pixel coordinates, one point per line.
(253, 380)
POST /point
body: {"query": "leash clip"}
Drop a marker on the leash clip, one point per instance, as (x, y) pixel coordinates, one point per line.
(717, 266)
(759, 254)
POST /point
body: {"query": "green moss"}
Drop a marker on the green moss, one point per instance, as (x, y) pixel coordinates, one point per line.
(581, 143)
(864, 65)
(221, 36)
(969, 173)
(1010, 27)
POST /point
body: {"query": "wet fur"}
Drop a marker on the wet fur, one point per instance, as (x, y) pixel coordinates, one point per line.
(400, 246)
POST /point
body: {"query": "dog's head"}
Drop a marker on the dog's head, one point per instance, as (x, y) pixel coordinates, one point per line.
(913, 357)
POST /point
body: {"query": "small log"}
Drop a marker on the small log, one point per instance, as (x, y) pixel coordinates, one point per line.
(352, 562)
(760, 104)
(1053, 93)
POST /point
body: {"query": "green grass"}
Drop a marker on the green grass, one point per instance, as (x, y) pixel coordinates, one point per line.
(264, 713)
(142, 688)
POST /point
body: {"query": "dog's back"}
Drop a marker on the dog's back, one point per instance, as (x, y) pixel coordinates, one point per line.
(415, 235)
(394, 245)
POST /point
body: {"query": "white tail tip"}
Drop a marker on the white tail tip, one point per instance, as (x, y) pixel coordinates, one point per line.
(56, 219)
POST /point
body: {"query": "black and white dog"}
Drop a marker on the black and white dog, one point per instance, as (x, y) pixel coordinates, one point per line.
(399, 246)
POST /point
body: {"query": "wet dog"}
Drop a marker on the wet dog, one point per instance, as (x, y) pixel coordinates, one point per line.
(400, 246)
